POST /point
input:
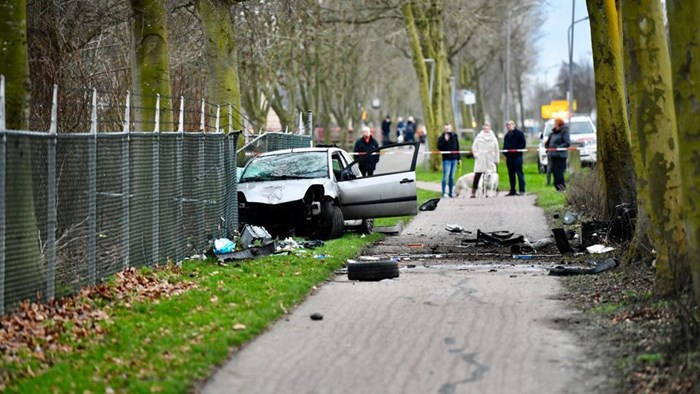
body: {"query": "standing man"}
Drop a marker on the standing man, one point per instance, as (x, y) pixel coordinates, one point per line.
(449, 145)
(514, 139)
(364, 145)
(386, 130)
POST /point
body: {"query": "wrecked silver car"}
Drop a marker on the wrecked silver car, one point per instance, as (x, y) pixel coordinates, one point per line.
(315, 191)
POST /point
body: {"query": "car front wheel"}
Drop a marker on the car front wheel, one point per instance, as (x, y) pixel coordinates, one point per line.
(332, 225)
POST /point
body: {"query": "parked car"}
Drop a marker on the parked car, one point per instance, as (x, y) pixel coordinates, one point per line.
(582, 132)
(315, 192)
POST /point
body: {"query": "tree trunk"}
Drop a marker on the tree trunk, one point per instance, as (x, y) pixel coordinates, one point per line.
(653, 126)
(22, 259)
(685, 62)
(151, 67)
(220, 54)
(425, 32)
(614, 151)
(150, 76)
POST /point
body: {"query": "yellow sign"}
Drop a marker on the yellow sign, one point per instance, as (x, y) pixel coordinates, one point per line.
(546, 111)
(556, 108)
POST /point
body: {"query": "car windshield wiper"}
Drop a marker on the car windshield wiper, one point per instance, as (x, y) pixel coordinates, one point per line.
(254, 179)
(273, 178)
(283, 177)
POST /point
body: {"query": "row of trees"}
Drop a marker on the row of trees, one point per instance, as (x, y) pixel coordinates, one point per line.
(330, 57)
(648, 137)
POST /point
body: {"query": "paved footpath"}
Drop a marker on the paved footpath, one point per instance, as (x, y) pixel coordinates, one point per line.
(452, 325)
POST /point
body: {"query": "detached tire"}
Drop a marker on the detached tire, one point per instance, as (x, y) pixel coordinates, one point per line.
(373, 271)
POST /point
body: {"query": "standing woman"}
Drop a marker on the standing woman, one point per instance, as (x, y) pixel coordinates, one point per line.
(558, 138)
(486, 154)
(449, 145)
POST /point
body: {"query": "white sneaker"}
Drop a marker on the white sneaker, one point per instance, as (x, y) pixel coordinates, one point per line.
(446, 195)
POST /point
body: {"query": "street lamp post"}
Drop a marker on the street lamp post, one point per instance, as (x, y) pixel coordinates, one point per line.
(571, 55)
(506, 114)
(432, 74)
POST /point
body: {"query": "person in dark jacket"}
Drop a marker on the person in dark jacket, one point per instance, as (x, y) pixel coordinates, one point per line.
(558, 138)
(363, 145)
(448, 144)
(410, 131)
(386, 130)
(514, 140)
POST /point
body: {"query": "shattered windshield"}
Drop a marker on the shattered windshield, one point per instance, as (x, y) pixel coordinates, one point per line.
(292, 165)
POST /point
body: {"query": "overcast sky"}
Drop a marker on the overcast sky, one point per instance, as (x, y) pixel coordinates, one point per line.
(553, 41)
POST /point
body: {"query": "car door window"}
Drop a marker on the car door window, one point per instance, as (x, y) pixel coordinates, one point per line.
(338, 165)
(392, 159)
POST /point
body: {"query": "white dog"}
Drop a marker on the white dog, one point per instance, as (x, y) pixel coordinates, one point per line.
(488, 185)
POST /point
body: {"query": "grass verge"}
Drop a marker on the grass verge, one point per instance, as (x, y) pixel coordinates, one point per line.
(165, 343)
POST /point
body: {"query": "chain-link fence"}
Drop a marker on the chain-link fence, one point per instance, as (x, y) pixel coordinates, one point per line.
(81, 207)
(77, 206)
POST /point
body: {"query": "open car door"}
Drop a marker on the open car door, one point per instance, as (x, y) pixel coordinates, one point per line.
(391, 191)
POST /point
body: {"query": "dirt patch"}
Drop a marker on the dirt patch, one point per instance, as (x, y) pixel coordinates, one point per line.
(646, 339)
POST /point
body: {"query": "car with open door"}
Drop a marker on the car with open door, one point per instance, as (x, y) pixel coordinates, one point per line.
(315, 192)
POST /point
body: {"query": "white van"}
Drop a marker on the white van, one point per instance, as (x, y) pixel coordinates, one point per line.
(582, 132)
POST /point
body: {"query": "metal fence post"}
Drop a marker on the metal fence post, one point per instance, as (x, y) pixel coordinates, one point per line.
(220, 175)
(179, 191)
(230, 118)
(51, 200)
(232, 174)
(126, 165)
(202, 119)
(3, 151)
(92, 193)
(156, 184)
(311, 129)
(201, 185)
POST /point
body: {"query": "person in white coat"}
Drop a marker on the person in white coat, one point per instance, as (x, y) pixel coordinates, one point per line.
(486, 154)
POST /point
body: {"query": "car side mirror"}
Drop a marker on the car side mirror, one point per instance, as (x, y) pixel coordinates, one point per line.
(347, 174)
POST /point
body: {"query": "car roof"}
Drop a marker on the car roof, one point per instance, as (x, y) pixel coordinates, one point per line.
(575, 118)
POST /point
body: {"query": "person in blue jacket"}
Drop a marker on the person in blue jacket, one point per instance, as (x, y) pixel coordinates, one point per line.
(514, 139)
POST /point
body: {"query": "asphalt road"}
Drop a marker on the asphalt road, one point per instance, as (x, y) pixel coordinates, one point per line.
(452, 323)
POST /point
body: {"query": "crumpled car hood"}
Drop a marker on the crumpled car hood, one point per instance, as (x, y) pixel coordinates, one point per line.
(280, 192)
